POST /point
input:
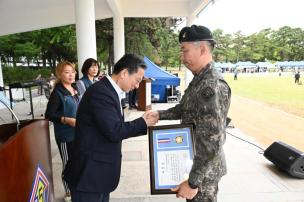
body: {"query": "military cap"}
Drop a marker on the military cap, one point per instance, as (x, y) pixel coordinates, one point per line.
(195, 33)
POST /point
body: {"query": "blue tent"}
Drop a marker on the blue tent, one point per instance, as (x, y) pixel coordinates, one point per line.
(299, 64)
(160, 80)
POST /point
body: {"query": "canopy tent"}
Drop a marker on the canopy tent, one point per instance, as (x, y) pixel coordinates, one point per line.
(224, 65)
(265, 64)
(245, 66)
(299, 64)
(161, 80)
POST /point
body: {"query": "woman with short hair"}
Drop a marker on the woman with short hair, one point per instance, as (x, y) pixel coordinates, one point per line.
(90, 70)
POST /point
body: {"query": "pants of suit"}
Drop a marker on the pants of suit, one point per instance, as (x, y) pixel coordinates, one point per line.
(79, 196)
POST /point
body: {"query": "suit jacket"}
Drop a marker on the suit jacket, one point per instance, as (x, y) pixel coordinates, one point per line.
(95, 162)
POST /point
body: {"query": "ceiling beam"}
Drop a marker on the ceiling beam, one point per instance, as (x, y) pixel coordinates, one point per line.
(197, 6)
(155, 8)
(115, 6)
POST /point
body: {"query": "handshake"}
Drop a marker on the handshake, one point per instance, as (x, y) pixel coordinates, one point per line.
(151, 117)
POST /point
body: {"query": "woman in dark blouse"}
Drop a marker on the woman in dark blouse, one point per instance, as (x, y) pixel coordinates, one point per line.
(61, 110)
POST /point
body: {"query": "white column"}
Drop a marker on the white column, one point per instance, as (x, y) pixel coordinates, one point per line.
(188, 73)
(85, 31)
(1, 75)
(119, 36)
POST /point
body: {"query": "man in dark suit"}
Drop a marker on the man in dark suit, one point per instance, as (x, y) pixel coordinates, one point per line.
(93, 171)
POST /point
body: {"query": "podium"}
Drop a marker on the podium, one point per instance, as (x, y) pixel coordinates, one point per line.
(26, 162)
(144, 95)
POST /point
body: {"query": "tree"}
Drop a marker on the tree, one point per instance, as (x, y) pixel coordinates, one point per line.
(238, 45)
(156, 38)
(152, 37)
(8, 47)
(222, 52)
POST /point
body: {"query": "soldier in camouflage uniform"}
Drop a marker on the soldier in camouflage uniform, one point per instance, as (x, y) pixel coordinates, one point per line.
(205, 104)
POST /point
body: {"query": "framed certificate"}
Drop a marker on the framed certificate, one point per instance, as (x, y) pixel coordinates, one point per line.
(171, 156)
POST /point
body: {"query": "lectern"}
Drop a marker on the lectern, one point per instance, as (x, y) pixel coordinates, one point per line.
(144, 95)
(25, 162)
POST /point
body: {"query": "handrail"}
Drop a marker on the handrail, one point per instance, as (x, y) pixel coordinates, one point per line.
(12, 112)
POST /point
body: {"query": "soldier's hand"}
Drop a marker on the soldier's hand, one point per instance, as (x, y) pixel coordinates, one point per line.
(185, 191)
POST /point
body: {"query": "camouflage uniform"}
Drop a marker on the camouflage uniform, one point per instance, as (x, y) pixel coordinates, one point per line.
(205, 104)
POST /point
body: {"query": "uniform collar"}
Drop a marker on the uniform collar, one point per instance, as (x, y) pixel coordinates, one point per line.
(205, 69)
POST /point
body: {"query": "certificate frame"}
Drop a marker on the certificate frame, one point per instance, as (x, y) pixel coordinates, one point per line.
(171, 152)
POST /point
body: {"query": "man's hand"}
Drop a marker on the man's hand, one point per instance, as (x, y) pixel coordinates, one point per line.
(154, 114)
(185, 191)
(151, 118)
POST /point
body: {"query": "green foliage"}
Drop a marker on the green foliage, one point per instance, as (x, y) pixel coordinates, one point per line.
(23, 74)
(152, 37)
(54, 44)
(286, 44)
(157, 38)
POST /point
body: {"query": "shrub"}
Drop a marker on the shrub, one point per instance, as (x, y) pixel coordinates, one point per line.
(23, 74)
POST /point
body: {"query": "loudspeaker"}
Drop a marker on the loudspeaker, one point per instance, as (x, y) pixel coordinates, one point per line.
(286, 158)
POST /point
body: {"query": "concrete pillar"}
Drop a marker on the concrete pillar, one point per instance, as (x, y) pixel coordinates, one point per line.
(119, 36)
(85, 31)
(188, 73)
(1, 75)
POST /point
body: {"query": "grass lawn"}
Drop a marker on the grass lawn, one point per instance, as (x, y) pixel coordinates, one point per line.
(278, 91)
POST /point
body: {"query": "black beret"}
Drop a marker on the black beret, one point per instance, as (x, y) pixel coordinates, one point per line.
(195, 33)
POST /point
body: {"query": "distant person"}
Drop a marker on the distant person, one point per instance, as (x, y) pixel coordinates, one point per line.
(235, 74)
(52, 81)
(297, 77)
(90, 70)
(61, 110)
(93, 171)
(38, 80)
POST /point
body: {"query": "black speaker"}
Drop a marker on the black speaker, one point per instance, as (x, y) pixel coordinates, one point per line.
(286, 158)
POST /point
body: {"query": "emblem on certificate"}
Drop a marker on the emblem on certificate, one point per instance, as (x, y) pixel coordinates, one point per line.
(171, 156)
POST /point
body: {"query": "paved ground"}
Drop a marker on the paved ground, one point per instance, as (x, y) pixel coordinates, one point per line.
(250, 176)
(267, 124)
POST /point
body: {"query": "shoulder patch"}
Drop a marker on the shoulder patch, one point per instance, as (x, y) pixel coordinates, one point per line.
(208, 92)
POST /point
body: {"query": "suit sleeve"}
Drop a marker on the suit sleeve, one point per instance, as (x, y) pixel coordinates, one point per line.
(109, 121)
